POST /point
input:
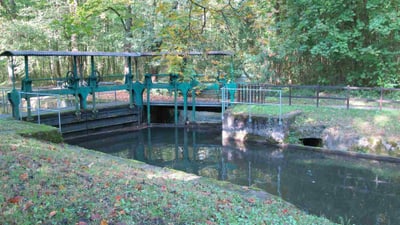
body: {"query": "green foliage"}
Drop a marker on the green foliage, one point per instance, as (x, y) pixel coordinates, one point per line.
(340, 42)
(304, 42)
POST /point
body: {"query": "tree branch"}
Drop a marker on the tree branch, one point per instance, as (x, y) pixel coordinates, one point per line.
(204, 20)
(204, 14)
(228, 27)
(197, 4)
(119, 16)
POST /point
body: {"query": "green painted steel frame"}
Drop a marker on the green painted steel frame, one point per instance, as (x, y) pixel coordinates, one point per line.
(135, 89)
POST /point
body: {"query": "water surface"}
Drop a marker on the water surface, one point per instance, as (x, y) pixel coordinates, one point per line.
(339, 188)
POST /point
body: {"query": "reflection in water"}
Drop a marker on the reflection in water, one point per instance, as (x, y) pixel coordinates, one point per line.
(360, 191)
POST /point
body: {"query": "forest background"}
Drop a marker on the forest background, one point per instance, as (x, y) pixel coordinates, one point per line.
(330, 42)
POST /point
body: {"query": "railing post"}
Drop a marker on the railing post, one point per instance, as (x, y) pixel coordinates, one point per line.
(19, 106)
(222, 103)
(148, 103)
(175, 105)
(59, 113)
(317, 95)
(290, 94)
(348, 97)
(38, 108)
(280, 107)
(193, 104)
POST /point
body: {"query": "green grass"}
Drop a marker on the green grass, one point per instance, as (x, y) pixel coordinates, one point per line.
(47, 183)
(373, 122)
(270, 110)
(366, 122)
(42, 132)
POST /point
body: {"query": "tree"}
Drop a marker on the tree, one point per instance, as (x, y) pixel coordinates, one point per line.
(334, 42)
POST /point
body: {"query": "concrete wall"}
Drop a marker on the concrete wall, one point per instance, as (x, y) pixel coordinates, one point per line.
(243, 127)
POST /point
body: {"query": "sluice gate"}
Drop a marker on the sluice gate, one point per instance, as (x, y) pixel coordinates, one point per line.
(83, 83)
(105, 119)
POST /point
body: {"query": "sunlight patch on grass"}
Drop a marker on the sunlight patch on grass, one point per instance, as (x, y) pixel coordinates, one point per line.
(361, 124)
(381, 120)
(176, 175)
(309, 120)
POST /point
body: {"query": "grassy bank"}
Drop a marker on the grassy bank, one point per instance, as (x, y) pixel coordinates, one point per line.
(47, 183)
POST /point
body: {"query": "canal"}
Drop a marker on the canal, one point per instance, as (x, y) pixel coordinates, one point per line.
(345, 190)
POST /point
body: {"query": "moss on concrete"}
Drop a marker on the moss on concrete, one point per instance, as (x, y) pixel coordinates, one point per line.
(26, 129)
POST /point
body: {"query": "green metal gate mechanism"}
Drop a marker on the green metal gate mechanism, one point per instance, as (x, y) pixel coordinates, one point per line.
(74, 82)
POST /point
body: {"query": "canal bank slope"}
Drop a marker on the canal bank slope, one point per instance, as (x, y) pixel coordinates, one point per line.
(54, 183)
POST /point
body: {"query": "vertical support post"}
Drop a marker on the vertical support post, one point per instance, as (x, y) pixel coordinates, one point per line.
(148, 104)
(93, 78)
(193, 104)
(251, 94)
(280, 107)
(136, 69)
(15, 100)
(75, 85)
(59, 113)
(27, 87)
(75, 71)
(185, 93)
(19, 100)
(232, 91)
(184, 87)
(128, 78)
(38, 108)
(223, 96)
(347, 97)
(317, 90)
(175, 106)
(92, 66)
(26, 67)
(239, 90)
(290, 94)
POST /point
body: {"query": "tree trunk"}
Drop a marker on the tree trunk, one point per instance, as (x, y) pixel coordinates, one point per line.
(74, 37)
(128, 36)
(10, 71)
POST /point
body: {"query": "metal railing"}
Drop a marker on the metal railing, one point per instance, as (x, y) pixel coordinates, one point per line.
(251, 96)
(338, 96)
(32, 102)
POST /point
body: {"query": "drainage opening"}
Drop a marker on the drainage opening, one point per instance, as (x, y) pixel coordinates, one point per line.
(314, 142)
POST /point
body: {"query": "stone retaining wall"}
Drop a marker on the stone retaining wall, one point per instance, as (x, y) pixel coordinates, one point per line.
(243, 127)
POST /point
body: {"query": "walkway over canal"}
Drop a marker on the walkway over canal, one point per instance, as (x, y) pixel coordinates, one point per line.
(84, 82)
